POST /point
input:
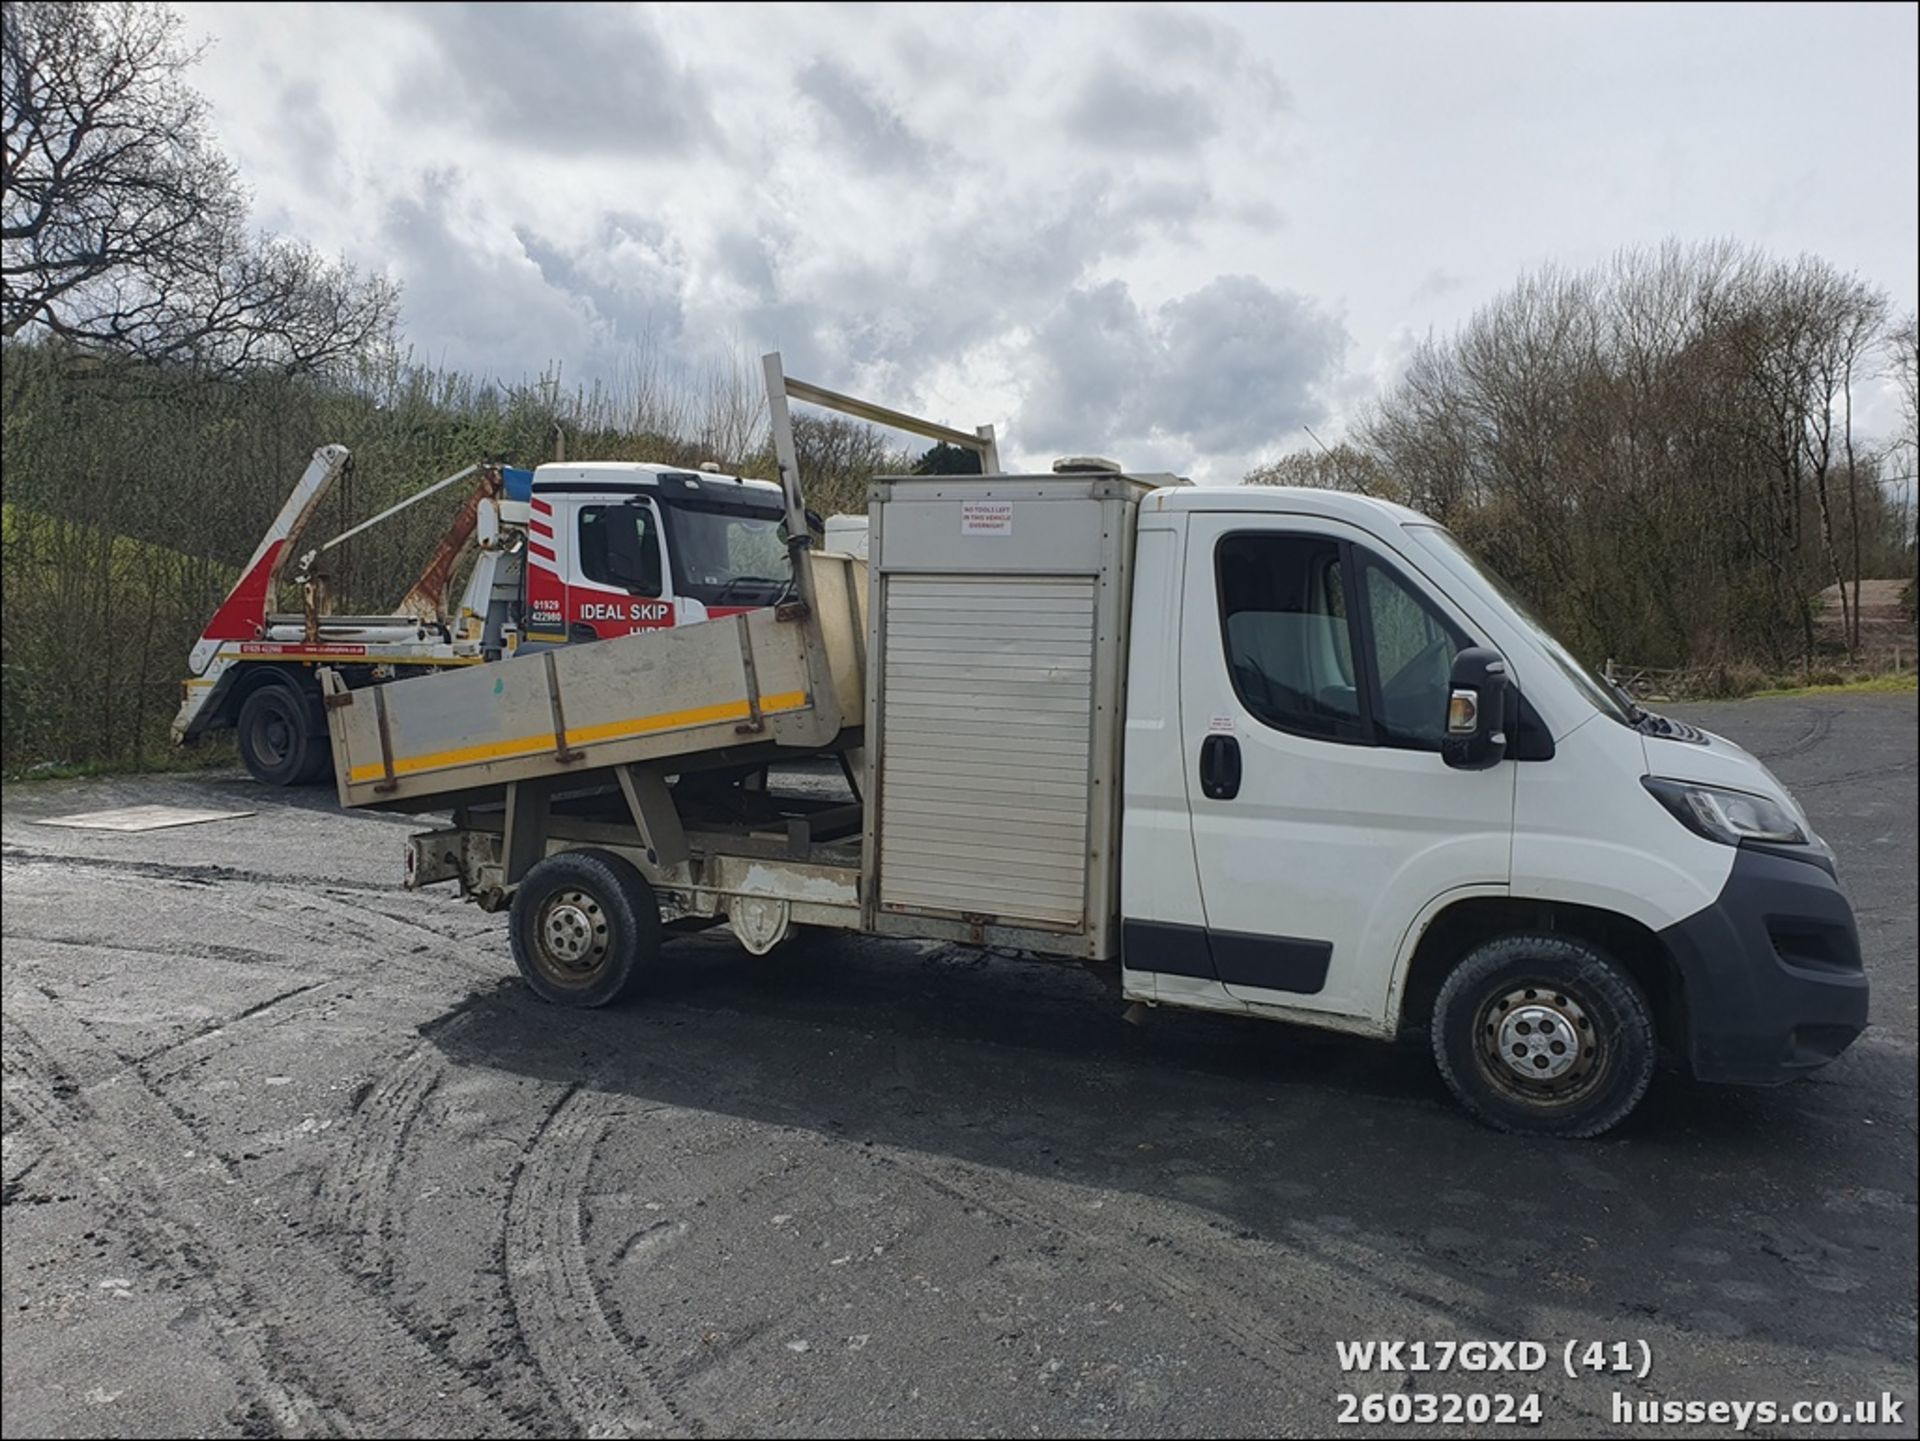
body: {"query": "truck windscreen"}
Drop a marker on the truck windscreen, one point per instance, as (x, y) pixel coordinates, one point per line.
(727, 553)
(1584, 678)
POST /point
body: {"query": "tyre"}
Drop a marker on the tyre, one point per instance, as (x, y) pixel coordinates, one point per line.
(320, 755)
(585, 928)
(282, 736)
(1544, 1035)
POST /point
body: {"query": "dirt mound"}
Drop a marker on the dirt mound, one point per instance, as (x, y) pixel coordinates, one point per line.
(1886, 633)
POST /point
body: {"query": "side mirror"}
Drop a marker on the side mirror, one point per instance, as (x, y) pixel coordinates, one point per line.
(1476, 733)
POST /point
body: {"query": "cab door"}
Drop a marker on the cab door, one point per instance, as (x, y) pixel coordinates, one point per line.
(596, 568)
(1314, 667)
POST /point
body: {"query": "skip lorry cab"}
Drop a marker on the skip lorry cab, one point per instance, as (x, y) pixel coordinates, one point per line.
(1287, 754)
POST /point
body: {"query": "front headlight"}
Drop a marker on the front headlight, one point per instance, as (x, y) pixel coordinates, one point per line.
(1727, 816)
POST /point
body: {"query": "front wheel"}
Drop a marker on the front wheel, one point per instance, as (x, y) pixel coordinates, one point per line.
(585, 927)
(1544, 1035)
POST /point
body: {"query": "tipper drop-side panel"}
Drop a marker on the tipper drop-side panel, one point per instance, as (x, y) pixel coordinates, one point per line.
(790, 676)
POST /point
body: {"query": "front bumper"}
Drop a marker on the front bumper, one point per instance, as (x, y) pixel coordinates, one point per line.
(1772, 973)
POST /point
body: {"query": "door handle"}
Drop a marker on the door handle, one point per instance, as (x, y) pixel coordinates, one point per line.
(1220, 767)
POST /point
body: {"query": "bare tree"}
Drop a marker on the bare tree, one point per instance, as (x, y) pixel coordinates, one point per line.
(837, 458)
(1903, 344)
(1657, 451)
(123, 225)
(1339, 467)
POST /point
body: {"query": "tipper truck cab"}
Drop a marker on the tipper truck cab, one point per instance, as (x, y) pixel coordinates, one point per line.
(1276, 753)
(553, 556)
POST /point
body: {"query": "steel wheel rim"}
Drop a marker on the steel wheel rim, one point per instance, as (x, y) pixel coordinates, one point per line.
(571, 937)
(1537, 1042)
(272, 735)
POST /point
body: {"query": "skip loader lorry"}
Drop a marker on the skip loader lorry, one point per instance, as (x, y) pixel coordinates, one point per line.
(567, 554)
(1289, 754)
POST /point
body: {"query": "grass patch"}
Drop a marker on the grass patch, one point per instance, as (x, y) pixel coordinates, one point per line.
(19, 526)
(210, 755)
(1869, 685)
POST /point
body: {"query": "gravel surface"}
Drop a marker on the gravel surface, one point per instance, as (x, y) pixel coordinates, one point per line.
(290, 1150)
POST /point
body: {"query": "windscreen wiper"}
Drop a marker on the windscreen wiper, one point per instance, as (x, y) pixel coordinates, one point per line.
(727, 588)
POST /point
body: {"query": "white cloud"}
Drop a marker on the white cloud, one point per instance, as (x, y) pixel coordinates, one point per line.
(1214, 373)
(1018, 215)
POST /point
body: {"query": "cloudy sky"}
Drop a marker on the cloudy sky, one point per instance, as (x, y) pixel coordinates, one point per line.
(1172, 235)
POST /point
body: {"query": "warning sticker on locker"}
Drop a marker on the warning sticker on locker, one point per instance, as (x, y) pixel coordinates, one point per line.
(986, 517)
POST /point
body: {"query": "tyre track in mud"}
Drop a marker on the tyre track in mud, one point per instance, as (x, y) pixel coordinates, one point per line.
(547, 1273)
(1237, 1319)
(356, 1194)
(234, 955)
(603, 1382)
(1905, 768)
(1818, 729)
(188, 1051)
(186, 872)
(1195, 1276)
(304, 1337)
(169, 1062)
(287, 898)
(1160, 1267)
(560, 1328)
(441, 956)
(20, 1153)
(134, 1199)
(284, 902)
(357, 1204)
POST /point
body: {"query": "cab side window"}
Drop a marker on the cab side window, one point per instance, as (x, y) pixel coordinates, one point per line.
(1411, 648)
(620, 546)
(1289, 639)
(1301, 662)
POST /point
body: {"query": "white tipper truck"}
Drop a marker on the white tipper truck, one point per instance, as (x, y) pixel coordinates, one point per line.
(1278, 753)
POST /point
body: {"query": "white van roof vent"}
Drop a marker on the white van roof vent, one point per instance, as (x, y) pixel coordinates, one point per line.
(1085, 465)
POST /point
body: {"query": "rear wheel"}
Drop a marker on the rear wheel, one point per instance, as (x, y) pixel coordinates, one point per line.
(282, 735)
(585, 928)
(1544, 1035)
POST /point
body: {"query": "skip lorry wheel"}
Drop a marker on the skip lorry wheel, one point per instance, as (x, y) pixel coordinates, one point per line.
(1544, 1035)
(585, 927)
(282, 737)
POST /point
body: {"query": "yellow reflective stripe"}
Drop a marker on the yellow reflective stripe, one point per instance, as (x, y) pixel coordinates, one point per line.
(585, 735)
